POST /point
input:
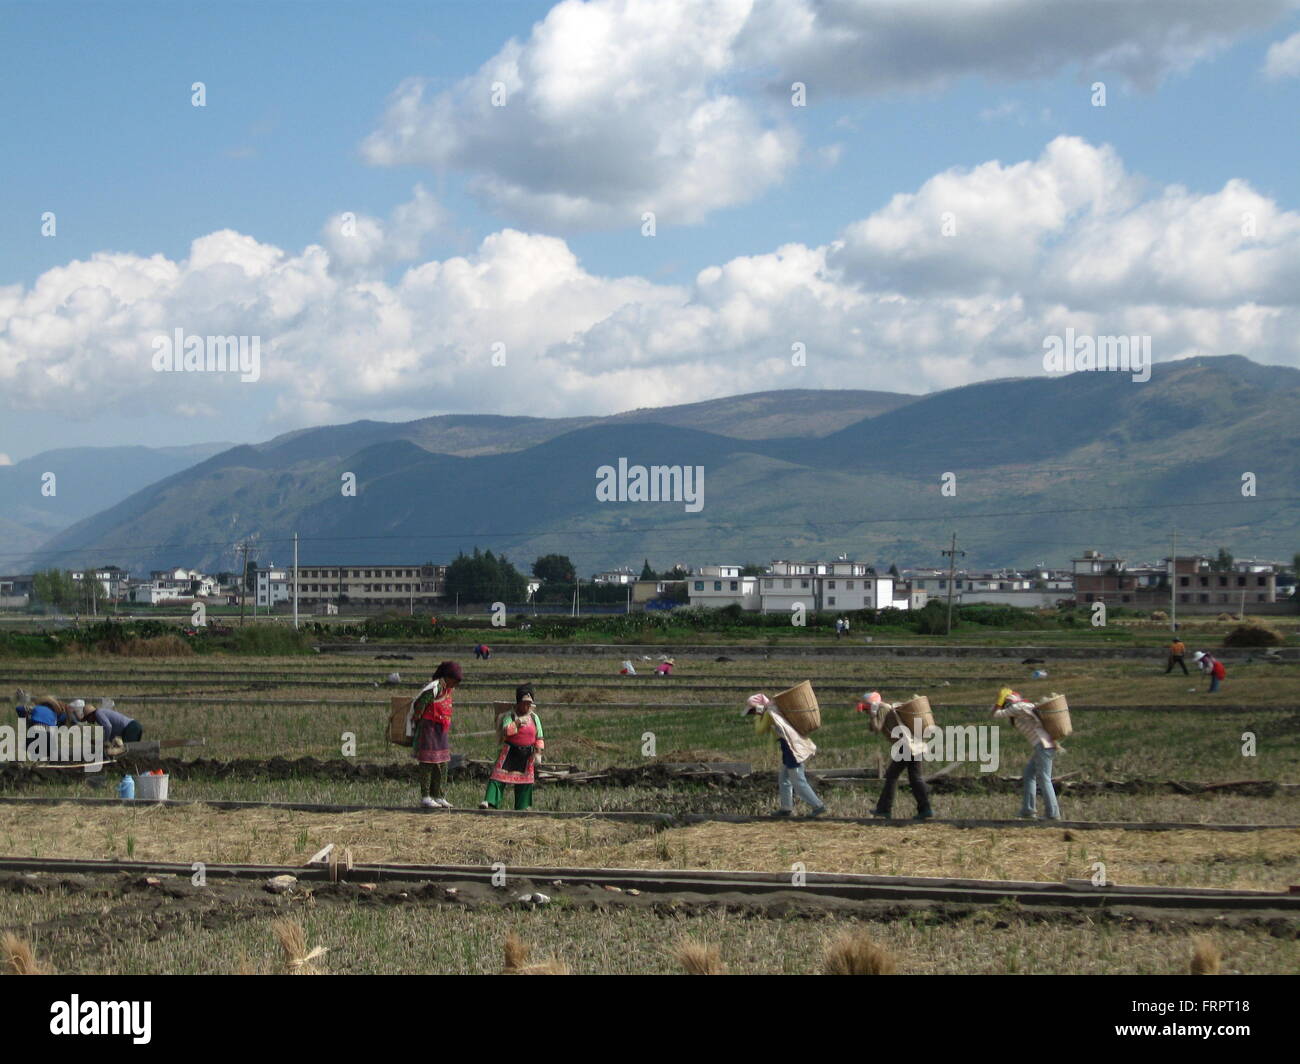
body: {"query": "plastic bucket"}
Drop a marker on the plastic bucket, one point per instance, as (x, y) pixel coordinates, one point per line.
(151, 788)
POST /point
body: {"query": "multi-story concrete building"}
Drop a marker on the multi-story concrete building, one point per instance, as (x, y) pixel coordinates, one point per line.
(392, 586)
(1197, 586)
(838, 586)
(273, 586)
(715, 586)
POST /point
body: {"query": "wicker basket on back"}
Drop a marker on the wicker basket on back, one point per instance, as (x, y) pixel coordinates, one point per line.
(399, 711)
(798, 705)
(500, 711)
(1054, 712)
(914, 714)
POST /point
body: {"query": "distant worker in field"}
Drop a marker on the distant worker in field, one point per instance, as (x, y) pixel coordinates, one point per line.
(907, 751)
(520, 734)
(119, 729)
(796, 750)
(665, 667)
(1213, 667)
(483, 652)
(1038, 771)
(431, 710)
(45, 712)
(1176, 651)
(839, 627)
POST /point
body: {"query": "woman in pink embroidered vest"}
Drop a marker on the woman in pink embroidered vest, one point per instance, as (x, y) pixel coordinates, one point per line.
(521, 737)
(431, 711)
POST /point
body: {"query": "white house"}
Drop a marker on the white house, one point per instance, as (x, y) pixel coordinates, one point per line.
(621, 576)
(715, 586)
(838, 586)
(274, 585)
(152, 593)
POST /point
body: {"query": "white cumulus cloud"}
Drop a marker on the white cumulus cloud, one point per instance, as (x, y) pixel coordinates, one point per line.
(612, 108)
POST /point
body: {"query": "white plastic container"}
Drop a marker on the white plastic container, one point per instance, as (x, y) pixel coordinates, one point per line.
(151, 788)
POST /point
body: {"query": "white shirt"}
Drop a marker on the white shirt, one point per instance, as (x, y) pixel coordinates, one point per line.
(1027, 723)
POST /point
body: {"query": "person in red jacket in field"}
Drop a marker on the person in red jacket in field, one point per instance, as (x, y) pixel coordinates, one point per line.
(1213, 666)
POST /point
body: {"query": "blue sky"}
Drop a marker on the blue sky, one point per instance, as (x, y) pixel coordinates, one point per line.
(100, 129)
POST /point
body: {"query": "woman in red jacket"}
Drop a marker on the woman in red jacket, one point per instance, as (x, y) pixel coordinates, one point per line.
(1213, 666)
(432, 713)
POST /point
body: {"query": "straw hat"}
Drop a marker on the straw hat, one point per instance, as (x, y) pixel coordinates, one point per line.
(1198, 655)
(77, 707)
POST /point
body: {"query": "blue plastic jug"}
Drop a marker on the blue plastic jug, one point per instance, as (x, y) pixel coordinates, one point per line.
(126, 789)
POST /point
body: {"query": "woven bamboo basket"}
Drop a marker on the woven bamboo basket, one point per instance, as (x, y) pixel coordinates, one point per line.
(1054, 712)
(399, 708)
(914, 714)
(499, 712)
(798, 705)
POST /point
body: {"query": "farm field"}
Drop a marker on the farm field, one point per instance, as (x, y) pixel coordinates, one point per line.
(1260, 860)
(1145, 748)
(96, 926)
(291, 708)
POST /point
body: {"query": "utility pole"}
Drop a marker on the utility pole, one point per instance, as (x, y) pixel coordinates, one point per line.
(295, 581)
(1173, 582)
(243, 581)
(952, 555)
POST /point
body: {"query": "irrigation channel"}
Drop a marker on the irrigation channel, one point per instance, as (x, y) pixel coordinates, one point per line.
(724, 885)
(660, 821)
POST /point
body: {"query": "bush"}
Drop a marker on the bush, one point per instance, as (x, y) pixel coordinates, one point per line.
(158, 646)
(1252, 635)
(933, 619)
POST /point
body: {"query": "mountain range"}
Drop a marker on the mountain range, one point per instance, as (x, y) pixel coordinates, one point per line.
(1024, 471)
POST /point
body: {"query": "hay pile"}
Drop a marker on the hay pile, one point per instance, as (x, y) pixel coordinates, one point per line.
(854, 953)
(1206, 958)
(19, 958)
(298, 959)
(516, 960)
(696, 958)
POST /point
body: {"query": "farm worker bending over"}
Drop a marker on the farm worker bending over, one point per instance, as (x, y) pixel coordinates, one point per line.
(431, 709)
(520, 732)
(906, 752)
(796, 749)
(48, 712)
(665, 667)
(117, 726)
(1213, 666)
(1038, 772)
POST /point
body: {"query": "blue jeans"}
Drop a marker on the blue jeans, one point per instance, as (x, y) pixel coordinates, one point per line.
(793, 780)
(1214, 683)
(1038, 773)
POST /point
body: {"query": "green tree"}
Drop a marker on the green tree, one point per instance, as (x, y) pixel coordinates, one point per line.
(483, 577)
(752, 569)
(893, 571)
(554, 568)
(1223, 563)
(60, 589)
(646, 572)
